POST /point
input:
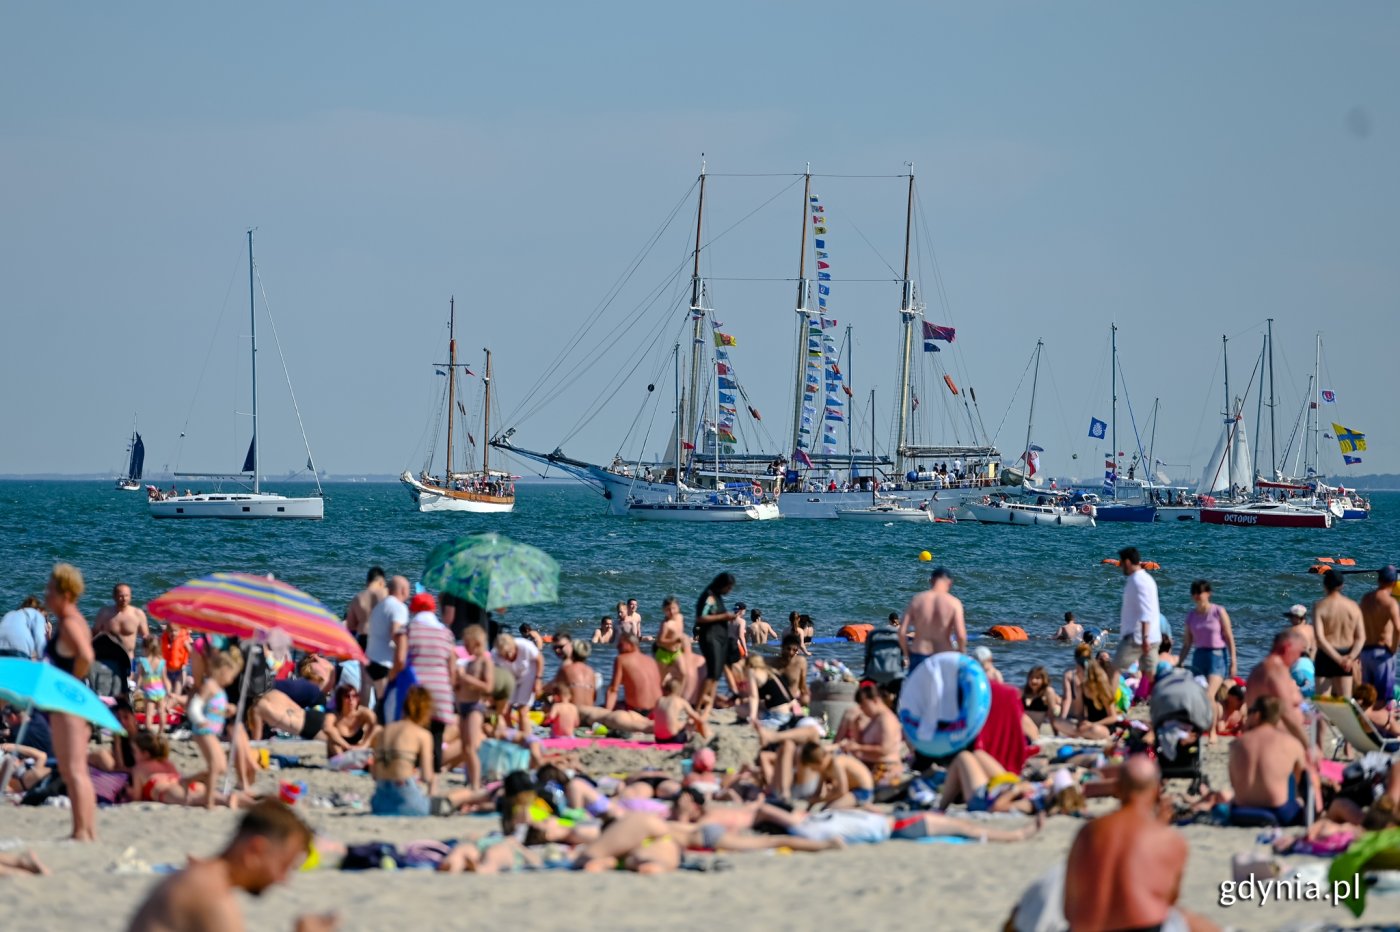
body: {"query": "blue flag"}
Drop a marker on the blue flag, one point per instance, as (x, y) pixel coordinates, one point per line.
(1097, 429)
(931, 347)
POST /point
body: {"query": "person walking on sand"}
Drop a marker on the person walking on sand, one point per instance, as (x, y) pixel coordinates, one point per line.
(271, 841)
(1139, 619)
(712, 636)
(1380, 619)
(123, 621)
(933, 622)
(1340, 634)
(1208, 631)
(1124, 869)
(70, 649)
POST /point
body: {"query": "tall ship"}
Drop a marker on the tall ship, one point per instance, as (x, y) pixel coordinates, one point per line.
(482, 491)
(250, 501)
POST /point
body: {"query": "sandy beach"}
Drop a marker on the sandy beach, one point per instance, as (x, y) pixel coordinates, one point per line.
(895, 884)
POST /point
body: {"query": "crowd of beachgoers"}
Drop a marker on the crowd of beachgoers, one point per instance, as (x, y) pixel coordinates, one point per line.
(453, 712)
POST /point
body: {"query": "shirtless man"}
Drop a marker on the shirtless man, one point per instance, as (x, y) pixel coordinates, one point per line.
(1071, 630)
(122, 620)
(358, 611)
(1124, 869)
(1297, 616)
(637, 675)
(634, 619)
(1273, 677)
(933, 621)
(1267, 764)
(1380, 618)
(269, 844)
(1340, 637)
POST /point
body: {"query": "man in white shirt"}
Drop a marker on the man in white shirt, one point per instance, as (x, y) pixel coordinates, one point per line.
(1139, 620)
(388, 622)
(523, 659)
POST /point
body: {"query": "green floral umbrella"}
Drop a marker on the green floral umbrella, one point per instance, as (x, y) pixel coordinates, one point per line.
(492, 571)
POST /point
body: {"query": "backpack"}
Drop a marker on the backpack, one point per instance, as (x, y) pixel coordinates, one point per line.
(884, 659)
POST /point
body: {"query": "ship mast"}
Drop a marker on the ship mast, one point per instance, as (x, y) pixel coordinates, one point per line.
(451, 380)
(696, 316)
(486, 423)
(804, 316)
(907, 313)
(253, 318)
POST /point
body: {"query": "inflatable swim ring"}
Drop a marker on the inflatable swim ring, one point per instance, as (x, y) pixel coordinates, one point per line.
(974, 704)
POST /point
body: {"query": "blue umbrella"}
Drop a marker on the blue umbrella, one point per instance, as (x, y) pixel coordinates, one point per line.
(32, 685)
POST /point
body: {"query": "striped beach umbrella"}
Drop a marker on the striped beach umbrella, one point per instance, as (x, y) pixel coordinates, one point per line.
(493, 571)
(244, 606)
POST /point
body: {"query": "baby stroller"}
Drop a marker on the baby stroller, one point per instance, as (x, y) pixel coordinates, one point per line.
(1181, 716)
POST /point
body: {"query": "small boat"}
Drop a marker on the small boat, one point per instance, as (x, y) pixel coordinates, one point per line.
(247, 504)
(136, 461)
(1266, 514)
(884, 508)
(479, 491)
(1004, 511)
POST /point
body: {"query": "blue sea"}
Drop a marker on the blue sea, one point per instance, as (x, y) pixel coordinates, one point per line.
(836, 572)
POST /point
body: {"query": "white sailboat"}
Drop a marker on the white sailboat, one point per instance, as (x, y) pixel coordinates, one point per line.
(479, 491)
(1047, 510)
(243, 504)
(696, 505)
(887, 508)
(1229, 471)
(135, 463)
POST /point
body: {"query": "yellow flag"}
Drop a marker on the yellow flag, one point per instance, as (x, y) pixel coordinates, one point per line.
(1349, 440)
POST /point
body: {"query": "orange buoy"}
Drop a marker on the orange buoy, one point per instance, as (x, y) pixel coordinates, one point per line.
(1319, 568)
(1109, 562)
(1007, 633)
(856, 633)
(1151, 565)
(1325, 560)
(1346, 561)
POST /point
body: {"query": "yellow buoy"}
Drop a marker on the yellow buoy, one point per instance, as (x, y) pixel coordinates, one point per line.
(925, 556)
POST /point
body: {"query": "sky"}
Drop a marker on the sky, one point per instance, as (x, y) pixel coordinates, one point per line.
(1186, 171)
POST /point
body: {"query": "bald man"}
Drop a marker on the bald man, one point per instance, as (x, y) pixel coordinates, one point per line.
(388, 622)
(1125, 868)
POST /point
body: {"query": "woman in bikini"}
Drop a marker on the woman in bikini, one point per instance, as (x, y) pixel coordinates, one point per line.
(1376, 710)
(781, 723)
(352, 725)
(880, 743)
(402, 752)
(1039, 700)
(70, 649)
(155, 779)
(1100, 713)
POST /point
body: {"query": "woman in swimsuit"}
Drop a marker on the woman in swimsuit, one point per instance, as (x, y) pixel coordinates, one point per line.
(1376, 710)
(781, 723)
(71, 651)
(1038, 698)
(638, 842)
(1100, 711)
(880, 743)
(353, 724)
(403, 751)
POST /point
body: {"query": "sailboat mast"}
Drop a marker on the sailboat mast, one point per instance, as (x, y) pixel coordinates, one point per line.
(906, 316)
(1316, 406)
(696, 315)
(1273, 404)
(1229, 420)
(451, 380)
(803, 316)
(486, 422)
(850, 447)
(1030, 419)
(676, 353)
(873, 500)
(1113, 377)
(1152, 444)
(253, 318)
(1259, 408)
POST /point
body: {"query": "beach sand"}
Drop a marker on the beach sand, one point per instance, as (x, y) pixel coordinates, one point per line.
(891, 885)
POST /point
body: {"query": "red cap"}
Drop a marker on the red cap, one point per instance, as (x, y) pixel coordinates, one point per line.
(422, 602)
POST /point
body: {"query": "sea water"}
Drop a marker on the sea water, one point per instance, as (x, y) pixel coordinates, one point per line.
(837, 572)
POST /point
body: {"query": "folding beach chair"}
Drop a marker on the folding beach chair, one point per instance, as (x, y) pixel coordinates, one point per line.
(1356, 729)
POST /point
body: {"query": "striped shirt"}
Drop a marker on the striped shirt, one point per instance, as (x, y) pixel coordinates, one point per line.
(430, 650)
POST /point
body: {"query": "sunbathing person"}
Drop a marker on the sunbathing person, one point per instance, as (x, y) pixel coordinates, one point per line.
(402, 751)
(155, 779)
(490, 854)
(729, 828)
(844, 781)
(638, 841)
(618, 722)
(1268, 765)
(976, 778)
(32, 767)
(279, 711)
(1376, 709)
(880, 744)
(351, 725)
(23, 863)
(562, 717)
(1095, 698)
(673, 717)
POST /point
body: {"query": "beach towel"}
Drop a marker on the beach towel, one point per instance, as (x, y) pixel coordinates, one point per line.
(1002, 736)
(499, 758)
(934, 684)
(580, 744)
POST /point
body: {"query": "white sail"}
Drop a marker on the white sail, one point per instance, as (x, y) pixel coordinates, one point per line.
(1230, 461)
(1241, 465)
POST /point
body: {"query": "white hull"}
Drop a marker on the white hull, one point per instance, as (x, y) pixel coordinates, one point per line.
(126, 485)
(238, 505)
(700, 511)
(1045, 515)
(824, 505)
(430, 499)
(881, 514)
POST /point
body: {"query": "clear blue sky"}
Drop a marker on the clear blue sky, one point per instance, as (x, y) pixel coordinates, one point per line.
(1186, 169)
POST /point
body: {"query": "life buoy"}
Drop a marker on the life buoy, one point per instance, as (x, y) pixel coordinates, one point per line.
(855, 633)
(917, 697)
(1087, 509)
(1007, 632)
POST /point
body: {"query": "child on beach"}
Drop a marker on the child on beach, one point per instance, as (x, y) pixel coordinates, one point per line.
(154, 684)
(673, 715)
(175, 651)
(476, 680)
(672, 646)
(206, 713)
(563, 715)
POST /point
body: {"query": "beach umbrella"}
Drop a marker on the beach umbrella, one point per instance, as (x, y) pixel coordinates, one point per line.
(245, 606)
(30, 684)
(492, 571)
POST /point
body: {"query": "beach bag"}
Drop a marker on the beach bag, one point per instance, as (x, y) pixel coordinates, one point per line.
(499, 758)
(884, 658)
(50, 786)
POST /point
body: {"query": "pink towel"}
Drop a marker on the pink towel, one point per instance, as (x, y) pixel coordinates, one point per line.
(578, 744)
